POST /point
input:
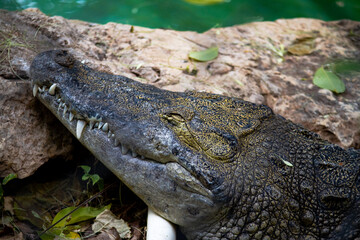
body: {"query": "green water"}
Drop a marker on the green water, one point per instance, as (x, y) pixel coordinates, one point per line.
(180, 15)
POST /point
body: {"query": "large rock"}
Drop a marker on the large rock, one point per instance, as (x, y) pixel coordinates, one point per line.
(250, 65)
(29, 135)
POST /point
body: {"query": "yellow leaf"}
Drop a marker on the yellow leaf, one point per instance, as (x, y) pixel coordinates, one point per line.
(206, 2)
(302, 46)
(73, 235)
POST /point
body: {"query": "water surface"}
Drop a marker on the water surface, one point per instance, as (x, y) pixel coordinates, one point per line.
(181, 15)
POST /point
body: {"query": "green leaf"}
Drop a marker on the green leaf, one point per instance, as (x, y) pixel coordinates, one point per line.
(35, 214)
(328, 80)
(94, 178)
(345, 66)
(9, 177)
(47, 236)
(81, 214)
(205, 55)
(101, 184)
(85, 177)
(86, 168)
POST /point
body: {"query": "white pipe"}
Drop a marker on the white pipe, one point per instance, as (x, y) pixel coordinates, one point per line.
(158, 228)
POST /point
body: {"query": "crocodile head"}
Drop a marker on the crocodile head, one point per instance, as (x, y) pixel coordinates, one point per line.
(219, 167)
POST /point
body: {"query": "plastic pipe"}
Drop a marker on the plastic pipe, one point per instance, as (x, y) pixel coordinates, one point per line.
(158, 228)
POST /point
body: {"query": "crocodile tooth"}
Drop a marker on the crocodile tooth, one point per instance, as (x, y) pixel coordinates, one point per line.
(96, 124)
(116, 142)
(65, 110)
(71, 116)
(112, 136)
(35, 89)
(129, 152)
(105, 128)
(91, 124)
(63, 104)
(59, 100)
(124, 150)
(52, 89)
(109, 134)
(41, 89)
(134, 154)
(79, 128)
(100, 125)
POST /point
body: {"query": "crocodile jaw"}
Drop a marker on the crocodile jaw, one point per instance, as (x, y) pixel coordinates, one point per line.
(165, 186)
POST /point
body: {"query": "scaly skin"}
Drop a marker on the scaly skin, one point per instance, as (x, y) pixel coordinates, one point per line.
(219, 167)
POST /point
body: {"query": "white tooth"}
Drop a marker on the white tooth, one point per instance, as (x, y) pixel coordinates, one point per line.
(112, 136)
(71, 116)
(134, 154)
(124, 150)
(105, 128)
(52, 89)
(109, 134)
(62, 104)
(43, 89)
(96, 124)
(91, 124)
(117, 142)
(58, 100)
(35, 89)
(100, 125)
(65, 110)
(79, 128)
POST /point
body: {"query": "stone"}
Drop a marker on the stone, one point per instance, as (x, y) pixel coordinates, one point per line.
(29, 135)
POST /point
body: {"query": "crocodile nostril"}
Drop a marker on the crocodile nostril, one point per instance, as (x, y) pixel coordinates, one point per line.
(63, 58)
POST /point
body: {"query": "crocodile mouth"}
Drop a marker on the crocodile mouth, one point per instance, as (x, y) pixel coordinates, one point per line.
(79, 125)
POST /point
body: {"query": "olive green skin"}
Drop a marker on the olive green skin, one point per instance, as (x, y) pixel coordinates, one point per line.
(217, 166)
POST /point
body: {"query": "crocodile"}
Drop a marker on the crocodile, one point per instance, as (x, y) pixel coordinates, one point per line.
(219, 167)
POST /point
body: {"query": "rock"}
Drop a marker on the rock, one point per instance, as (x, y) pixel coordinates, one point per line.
(29, 135)
(250, 65)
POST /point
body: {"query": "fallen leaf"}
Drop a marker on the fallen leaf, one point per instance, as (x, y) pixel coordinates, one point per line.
(328, 80)
(107, 220)
(206, 2)
(302, 46)
(205, 55)
(81, 214)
